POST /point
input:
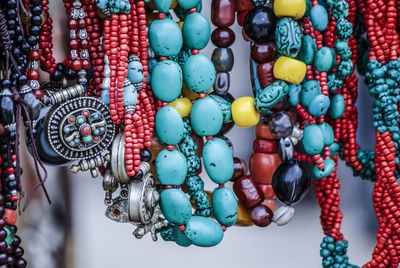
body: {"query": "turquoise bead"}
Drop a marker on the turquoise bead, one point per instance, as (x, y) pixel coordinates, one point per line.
(310, 89)
(175, 206)
(307, 50)
(180, 238)
(327, 132)
(206, 117)
(337, 106)
(313, 139)
(171, 167)
(165, 37)
(130, 95)
(10, 235)
(294, 94)
(319, 17)
(319, 105)
(166, 81)
(188, 4)
(225, 107)
(203, 232)
(196, 31)
(87, 139)
(163, 5)
(225, 206)
(324, 59)
(334, 148)
(135, 72)
(169, 125)
(199, 73)
(102, 4)
(218, 160)
(288, 37)
(105, 97)
(329, 166)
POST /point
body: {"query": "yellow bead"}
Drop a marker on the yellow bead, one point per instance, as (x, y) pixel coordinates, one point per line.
(290, 8)
(186, 92)
(244, 113)
(180, 24)
(174, 4)
(243, 216)
(183, 105)
(290, 70)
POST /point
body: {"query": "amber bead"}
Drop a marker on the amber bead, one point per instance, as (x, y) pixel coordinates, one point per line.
(267, 190)
(243, 5)
(248, 192)
(269, 203)
(263, 166)
(264, 146)
(223, 37)
(223, 12)
(265, 74)
(262, 216)
(263, 132)
(262, 53)
(240, 168)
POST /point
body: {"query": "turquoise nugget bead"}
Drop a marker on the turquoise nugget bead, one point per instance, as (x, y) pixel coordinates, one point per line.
(313, 139)
(180, 238)
(319, 17)
(105, 97)
(175, 206)
(165, 37)
(218, 160)
(319, 105)
(169, 125)
(327, 132)
(206, 117)
(196, 31)
(203, 232)
(188, 4)
(102, 4)
(310, 89)
(334, 149)
(166, 81)
(135, 72)
(329, 166)
(225, 206)
(199, 73)
(324, 59)
(162, 5)
(171, 167)
(337, 106)
(294, 94)
(130, 95)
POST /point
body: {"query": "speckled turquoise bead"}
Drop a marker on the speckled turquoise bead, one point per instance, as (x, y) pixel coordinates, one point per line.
(188, 4)
(169, 125)
(319, 105)
(199, 73)
(327, 132)
(166, 81)
(196, 31)
(165, 37)
(130, 95)
(175, 206)
(343, 50)
(319, 17)
(294, 94)
(334, 148)
(324, 59)
(206, 117)
(337, 106)
(203, 232)
(180, 237)
(311, 88)
(321, 173)
(218, 160)
(135, 72)
(225, 107)
(307, 50)
(225, 206)
(102, 4)
(171, 167)
(313, 139)
(163, 5)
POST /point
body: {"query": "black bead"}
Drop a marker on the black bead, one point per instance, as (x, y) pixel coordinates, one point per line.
(70, 74)
(145, 155)
(36, 20)
(17, 241)
(36, 2)
(259, 24)
(10, 250)
(35, 30)
(36, 10)
(280, 124)
(3, 246)
(61, 67)
(291, 182)
(10, 261)
(57, 76)
(32, 40)
(11, 14)
(20, 263)
(3, 233)
(25, 48)
(12, 3)
(3, 258)
(22, 79)
(138, 176)
(19, 252)
(5, 83)
(12, 34)
(11, 24)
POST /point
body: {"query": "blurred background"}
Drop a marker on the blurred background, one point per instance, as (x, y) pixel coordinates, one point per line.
(74, 233)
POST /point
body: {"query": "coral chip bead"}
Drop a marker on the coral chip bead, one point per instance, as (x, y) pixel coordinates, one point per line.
(290, 8)
(244, 113)
(182, 105)
(289, 70)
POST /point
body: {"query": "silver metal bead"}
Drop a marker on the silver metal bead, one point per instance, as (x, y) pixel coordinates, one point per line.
(283, 215)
